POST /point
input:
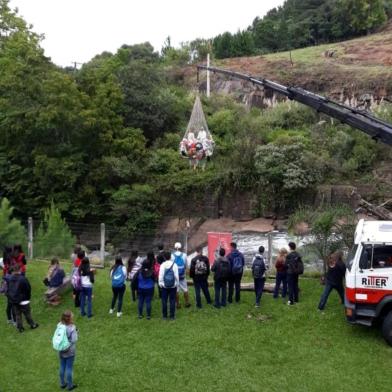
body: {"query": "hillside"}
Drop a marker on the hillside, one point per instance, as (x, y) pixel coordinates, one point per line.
(343, 71)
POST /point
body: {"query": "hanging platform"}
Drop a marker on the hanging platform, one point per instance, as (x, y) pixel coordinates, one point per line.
(197, 143)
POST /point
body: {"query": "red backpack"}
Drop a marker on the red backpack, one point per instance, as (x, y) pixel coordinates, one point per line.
(157, 267)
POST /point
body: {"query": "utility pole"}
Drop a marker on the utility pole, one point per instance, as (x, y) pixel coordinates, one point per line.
(75, 65)
(208, 76)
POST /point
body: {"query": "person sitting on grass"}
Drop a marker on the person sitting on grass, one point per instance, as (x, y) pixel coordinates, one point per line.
(55, 275)
(67, 357)
(168, 281)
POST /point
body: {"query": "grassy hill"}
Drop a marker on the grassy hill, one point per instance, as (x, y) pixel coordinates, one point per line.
(358, 66)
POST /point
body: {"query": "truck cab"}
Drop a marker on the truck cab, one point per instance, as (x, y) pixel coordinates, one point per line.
(368, 295)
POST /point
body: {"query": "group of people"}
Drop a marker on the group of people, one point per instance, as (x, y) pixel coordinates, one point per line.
(16, 287)
(198, 147)
(167, 270)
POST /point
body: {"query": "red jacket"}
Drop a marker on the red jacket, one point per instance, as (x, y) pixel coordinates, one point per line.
(21, 261)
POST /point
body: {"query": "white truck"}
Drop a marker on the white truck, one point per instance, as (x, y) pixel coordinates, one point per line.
(369, 276)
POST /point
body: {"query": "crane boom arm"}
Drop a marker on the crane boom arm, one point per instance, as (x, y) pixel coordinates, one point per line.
(359, 119)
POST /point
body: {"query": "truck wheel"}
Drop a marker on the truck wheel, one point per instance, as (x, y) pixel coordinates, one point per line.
(387, 328)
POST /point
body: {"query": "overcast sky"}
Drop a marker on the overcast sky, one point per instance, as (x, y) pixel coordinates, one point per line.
(77, 30)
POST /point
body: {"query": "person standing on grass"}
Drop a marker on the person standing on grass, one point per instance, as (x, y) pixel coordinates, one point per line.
(281, 273)
(199, 272)
(10, 311)
(259, 267)
(7, 256)
(19, 294)
(237, 264)
(221, 269)
(293, 259)
(118, 275)
(18, 257)
(146, 283)
(75, 270)
(67, 357)
(168, 281)
(181, 261)
(134, 264)
(87, 281)
(159, 260)
(334, 278)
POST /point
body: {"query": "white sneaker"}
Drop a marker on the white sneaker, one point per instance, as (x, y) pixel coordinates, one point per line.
(119, 314)
(111, 311)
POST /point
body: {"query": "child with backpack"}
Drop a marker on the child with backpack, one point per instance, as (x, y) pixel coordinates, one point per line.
(199, 272)
(87, 280)
(221, 269)
(237, 264)
(118, 275)
(146, 283)
(180, 259)
(76, 277)
(259, 267)
(64, 341)
(168, 281)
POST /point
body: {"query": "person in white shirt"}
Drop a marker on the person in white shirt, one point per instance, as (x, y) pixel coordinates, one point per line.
(180, 259)
(168, 281)
(87, 281)
(202, 135)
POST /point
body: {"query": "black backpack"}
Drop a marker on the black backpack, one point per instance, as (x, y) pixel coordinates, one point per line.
(297, 266)
(224, 269)
(258, 267)
(13, 292)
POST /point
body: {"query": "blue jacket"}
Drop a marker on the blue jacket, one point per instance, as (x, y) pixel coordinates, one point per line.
(233, 254)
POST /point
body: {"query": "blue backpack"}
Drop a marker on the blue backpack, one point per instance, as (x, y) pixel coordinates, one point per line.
(118, 277)
(237, 265)
(169, 279)
(179, 260)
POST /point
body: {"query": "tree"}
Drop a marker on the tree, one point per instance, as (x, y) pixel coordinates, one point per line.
(286, 172)
(11, 230)
(330, 228)
(54, 238)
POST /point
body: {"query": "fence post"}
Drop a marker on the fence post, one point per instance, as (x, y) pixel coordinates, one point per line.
(30, 238)
(102, 248)
(270, 248)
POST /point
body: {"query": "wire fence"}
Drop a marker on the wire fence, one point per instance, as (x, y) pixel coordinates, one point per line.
(103, 242)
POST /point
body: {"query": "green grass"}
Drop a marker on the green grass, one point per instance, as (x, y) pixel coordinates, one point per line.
(233, 349)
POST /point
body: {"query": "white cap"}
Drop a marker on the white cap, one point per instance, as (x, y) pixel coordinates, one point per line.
(177, 245)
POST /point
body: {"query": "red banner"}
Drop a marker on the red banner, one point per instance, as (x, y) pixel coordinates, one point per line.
(217, 241)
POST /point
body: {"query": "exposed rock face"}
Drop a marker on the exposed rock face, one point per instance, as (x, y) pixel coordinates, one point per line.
(255, 96)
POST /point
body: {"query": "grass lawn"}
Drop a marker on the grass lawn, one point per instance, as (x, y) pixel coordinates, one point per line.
(234, 349)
